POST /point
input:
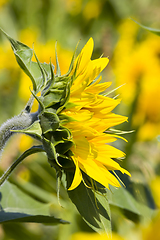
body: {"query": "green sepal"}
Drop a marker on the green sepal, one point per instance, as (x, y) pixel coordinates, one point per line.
(53, 98)
(65, 98)
(51, 80)
(59, 84)
(43, 72)
(65, 161)
(58, 71)
(50, 151)
(72, 62)
(64, 146)
(58, 94)
(39, 100)
(49, 122)
(34, 131)
(61, 135)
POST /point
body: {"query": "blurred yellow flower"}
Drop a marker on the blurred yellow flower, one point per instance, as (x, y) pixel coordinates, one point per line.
(73, 6)
(25, 142)
(137, 65)
(24, 174)
(95, 236)
(92, 115)
(3, 2)
(152, 230)
(9, 70)
(92, 9)
(154, 184)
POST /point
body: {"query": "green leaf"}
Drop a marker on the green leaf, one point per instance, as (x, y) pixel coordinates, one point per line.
(16, 206)
(153, 30)
(58, 71)
(94, 208)
(158, 138)
(36, 191)
(104, 210)
(28, 152)
(23, 55)
(123, 199)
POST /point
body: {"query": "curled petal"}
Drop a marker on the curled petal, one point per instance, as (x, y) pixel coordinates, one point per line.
(77, 176)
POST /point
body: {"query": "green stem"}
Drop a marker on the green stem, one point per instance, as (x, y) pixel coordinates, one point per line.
(28, 152)
(19, 122)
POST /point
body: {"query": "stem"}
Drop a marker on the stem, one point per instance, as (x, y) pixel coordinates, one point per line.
(28, 152)
(22, 121)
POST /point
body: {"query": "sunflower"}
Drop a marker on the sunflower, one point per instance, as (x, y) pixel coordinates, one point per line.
(91, 116)
(74, 117)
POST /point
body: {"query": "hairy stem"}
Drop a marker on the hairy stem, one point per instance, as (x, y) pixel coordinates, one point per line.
(22, 121)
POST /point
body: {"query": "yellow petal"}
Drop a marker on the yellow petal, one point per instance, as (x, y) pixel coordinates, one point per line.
(77, 176)
(98, 88)
(97, 66)
(81, 147)
(103, 139)
(98, 172)
(103, 102)
(80, 83)
(108, 150)
(110, 121)
(108, 162)
(84, 57)
(81, 115)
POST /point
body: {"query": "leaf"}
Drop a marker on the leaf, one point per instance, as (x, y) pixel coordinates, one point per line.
(36, 191)
(158, 138)
(153, 30)
(123, 199)
(23, 55)
(32, 150)
(94, 209)
(16, 206)
(104, 210)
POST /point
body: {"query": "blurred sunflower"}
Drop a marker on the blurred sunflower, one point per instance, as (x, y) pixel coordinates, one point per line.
(139, 70)
(92, 116)
(92, 9)
(3, 2)
(74, 7)
(95, 236)
(152, 229)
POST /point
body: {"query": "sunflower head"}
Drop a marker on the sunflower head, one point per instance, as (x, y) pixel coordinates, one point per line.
(74, 117)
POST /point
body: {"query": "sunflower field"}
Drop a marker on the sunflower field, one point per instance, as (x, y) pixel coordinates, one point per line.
(80, 120)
